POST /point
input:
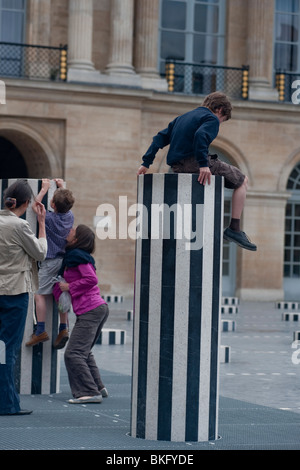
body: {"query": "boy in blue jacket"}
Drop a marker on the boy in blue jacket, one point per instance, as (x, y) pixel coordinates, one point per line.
(189, 137)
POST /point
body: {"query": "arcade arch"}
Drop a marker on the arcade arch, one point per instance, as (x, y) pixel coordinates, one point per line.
(26, 152)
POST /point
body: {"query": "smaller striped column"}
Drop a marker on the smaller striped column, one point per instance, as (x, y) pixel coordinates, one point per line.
(287, 305)
(224, 355)
(296, 336)
(177, 308)
(38, 367)
(112, 336)
(228, 325)
(290, 316)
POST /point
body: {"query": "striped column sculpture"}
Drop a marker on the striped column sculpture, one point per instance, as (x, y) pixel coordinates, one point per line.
(177, 308)
(38, 367)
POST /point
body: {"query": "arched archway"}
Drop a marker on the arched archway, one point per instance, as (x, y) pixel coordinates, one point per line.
(38, 153)
(288, 166)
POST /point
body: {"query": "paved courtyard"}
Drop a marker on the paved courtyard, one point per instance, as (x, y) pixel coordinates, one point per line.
(259, 394)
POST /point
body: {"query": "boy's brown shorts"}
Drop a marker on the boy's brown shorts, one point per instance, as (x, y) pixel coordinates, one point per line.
(233, 177)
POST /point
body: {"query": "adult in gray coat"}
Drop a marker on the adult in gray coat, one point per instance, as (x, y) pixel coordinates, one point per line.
(19, 251)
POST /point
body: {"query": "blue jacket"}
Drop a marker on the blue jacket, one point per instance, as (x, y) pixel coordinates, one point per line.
(188, 135)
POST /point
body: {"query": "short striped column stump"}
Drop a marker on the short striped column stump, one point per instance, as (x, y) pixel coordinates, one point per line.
(287, 316)
(287, 305)
(113, 298)
(112, 336)
(230, 301)
(129, 315)
(229, 309)
(224, 354)
(38, 367)
(228, 325)
(296, 336)
(177, 308)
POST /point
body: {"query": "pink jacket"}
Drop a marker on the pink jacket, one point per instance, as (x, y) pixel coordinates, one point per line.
(83, 288)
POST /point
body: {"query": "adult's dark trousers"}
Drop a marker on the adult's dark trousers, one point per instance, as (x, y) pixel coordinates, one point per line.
(83, 372)
(13, 312)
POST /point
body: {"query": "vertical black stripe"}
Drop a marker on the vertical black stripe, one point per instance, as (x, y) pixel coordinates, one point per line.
(194, 327)
(215, 308)
(144, 311)
(37, 351)
(226, 357)
(37, 365)
(4, 187)
(167, 315)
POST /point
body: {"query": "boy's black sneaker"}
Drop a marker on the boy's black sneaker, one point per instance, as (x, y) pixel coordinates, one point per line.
(240, 238)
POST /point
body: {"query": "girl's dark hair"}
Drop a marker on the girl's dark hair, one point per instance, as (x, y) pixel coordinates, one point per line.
(17, 194)
(85, 239)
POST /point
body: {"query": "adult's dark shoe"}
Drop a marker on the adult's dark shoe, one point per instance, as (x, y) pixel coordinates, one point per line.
(61, 339)
(18, 413)
(36, 339)
(240, 238)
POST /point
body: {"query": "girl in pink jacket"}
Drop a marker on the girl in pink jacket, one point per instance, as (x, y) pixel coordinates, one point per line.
(79, 272)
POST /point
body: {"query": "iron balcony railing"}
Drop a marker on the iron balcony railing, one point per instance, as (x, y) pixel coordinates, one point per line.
(202, 79)
(288, 86)
(33, 62)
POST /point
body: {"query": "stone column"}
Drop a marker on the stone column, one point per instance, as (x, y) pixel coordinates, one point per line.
(39, 23)
(260, 49)
(177, 308)
(146, 43)
(121, 42)
(80, 42)
(38, 33)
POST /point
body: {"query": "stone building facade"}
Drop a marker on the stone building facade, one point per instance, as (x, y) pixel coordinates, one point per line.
(93, 128)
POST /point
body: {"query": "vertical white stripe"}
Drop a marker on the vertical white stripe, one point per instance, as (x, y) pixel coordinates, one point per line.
(30, 215)
(137, 296)
(206, 309)
(154, 316)
(220, 302)
(181, 309)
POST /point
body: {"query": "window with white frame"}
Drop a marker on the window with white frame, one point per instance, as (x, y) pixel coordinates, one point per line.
(12, 20)
(287, 38)
(192, 31)
(292, 227)
(12, 30)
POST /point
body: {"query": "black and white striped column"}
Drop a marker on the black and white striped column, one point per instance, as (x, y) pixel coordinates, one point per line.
(177, 308)
(38, 367)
